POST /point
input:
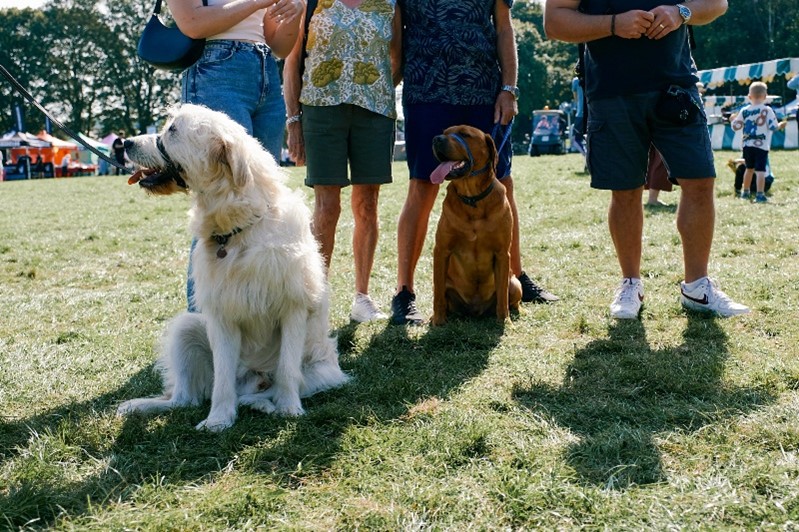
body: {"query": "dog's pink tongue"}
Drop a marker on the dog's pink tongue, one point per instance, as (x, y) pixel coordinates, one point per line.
(441, 172)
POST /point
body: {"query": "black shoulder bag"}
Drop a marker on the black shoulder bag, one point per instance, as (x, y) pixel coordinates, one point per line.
(166, 47)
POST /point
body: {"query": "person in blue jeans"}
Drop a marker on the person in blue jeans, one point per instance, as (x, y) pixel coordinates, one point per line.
(237, 73)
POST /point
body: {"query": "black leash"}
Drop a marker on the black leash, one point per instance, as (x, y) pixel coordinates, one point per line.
(58, 124)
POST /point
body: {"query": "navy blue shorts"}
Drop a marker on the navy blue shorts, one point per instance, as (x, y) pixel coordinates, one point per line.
(756, 158)
(423, 121)
(620, 130)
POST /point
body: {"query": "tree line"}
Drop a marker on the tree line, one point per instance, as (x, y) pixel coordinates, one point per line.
(78, 58)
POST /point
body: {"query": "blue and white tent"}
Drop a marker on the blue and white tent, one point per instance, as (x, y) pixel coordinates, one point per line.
(721, 134)
(744, 74)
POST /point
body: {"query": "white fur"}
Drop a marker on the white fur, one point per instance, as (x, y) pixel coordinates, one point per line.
(262, 335)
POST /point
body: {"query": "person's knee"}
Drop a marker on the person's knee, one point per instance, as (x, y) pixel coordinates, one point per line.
(364, 203)
(700, 188)
(420, 199)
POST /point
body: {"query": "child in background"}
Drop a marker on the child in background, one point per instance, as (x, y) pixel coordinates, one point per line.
(758, 121)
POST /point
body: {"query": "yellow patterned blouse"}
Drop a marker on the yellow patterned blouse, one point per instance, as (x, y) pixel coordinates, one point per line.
(348, 56)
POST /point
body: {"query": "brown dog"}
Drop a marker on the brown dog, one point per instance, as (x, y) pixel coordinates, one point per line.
(471, 259)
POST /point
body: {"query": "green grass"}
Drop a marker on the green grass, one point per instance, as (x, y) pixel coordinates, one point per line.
(561, 419)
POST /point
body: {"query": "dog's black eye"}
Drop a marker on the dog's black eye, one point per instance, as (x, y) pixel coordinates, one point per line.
(172, 128)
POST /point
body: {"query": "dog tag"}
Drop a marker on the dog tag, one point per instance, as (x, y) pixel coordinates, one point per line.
(221, 252)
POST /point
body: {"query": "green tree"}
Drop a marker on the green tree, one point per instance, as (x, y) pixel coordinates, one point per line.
(72, 33)
(20, 55)
(137, 94)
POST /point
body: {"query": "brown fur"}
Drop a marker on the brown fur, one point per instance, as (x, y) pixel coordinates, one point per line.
(471, 259)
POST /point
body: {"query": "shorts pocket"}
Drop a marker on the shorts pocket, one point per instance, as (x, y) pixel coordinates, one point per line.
(592, 128)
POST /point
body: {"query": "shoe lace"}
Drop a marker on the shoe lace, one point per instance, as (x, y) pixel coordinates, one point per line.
(626, 293)
(529, 284)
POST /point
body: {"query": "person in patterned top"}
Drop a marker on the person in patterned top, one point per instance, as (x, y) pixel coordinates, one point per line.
(341, 114)
(459, 67)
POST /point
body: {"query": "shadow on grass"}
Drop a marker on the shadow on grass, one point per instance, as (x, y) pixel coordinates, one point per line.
(395, 369)
(654, 210)
(619, 394)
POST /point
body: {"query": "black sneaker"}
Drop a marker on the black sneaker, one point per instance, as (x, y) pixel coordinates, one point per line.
(403, 309)
(532, 293)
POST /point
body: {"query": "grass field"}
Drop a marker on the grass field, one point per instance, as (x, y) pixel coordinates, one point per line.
(561, 419)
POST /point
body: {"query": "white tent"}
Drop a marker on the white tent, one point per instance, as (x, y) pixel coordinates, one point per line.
(744, 74)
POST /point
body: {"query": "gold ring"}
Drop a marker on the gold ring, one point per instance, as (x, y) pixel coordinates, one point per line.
(662, 26)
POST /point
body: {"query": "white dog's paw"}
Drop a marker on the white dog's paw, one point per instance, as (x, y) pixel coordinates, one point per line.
(288, 407)
(257, 401)
(215, 425)
(128, 407)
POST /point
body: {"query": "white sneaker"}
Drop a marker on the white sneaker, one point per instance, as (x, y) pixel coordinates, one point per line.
(706, 297)
(364, 309)
(628, 299)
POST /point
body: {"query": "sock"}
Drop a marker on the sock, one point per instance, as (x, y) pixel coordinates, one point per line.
(695, 284)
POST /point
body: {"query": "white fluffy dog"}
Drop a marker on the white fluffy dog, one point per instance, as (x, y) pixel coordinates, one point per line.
(262, 335)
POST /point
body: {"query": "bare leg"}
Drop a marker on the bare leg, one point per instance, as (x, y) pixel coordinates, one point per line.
(327, 210)
(761, 182)
(653, 197)
(364, 239)
(515, 245)
(696, 217)
(747, 185)
(412, 229)
(626, 223)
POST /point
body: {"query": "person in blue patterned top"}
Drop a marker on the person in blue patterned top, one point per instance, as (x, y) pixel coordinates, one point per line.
(459, 67)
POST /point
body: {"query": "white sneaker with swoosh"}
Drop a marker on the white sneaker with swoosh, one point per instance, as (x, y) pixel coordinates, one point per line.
(628, 299)
(706, 297)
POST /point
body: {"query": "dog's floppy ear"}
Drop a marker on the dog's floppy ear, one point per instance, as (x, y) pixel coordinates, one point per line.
(233, 160)
(492, 151)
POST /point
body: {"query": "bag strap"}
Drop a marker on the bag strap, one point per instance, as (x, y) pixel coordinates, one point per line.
(157, 8)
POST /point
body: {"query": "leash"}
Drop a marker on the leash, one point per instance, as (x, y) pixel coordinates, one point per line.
(16, 84)
(505, 137)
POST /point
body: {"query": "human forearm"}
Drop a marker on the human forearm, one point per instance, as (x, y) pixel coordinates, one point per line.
(506, 45)
(705, 11)
(292, 81)
(199, 21)
(563, 21)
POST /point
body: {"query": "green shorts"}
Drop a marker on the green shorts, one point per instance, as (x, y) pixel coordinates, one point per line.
(341, 134)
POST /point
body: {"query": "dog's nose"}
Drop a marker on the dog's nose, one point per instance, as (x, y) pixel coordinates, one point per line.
(128, 144)
(439, 140)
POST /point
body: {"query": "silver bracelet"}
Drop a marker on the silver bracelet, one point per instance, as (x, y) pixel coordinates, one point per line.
(293, 118)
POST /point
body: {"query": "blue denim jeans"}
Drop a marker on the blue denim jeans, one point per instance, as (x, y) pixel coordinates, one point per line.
(240, 79)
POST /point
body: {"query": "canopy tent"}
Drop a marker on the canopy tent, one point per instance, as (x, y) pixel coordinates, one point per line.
(720, 100)
(721, 134)
(744, 74)
(56, 142)
(21, 139)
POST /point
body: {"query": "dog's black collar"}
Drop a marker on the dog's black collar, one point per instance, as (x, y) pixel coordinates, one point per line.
(471, 201)
(222, 240)
(471, 158)
(172, 169)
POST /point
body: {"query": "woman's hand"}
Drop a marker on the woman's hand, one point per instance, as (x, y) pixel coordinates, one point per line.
(505, 108)
(284, 11)
(296, 143)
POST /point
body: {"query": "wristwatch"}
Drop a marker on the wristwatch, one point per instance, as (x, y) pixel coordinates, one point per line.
(685, 13)
(513, 89)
